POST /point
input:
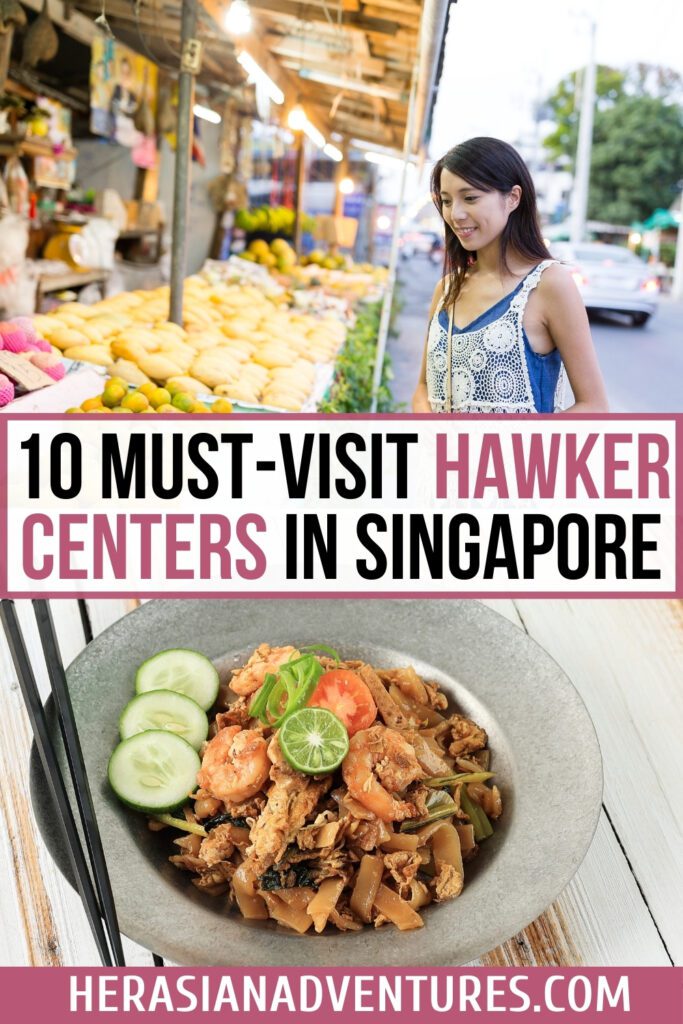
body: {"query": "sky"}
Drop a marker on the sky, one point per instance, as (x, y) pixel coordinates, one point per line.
(503, 54)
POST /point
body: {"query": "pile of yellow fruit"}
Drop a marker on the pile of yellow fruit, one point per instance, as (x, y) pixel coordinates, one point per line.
(234, 342)
(279, 255)
(117, 397)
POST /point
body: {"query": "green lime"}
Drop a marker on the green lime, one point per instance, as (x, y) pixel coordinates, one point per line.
(314, 741)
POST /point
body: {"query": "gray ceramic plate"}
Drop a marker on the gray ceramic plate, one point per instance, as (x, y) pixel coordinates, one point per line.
(545, 754)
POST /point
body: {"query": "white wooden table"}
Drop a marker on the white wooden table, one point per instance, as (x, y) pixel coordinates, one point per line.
(624, 906)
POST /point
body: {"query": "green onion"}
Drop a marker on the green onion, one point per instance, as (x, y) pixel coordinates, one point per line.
(480, 822)
(286, 692)
(452, 780)
(181, 824)
(439, 805)
(329, 651)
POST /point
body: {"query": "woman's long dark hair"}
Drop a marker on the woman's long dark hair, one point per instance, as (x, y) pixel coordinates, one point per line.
(491, 166)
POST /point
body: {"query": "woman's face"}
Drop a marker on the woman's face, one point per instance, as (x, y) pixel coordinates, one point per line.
(476, 217)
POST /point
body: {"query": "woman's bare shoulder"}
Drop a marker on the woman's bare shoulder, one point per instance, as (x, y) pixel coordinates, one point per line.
(556, 280)
(559, 295)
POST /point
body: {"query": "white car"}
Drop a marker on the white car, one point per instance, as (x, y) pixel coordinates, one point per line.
(414, 243)
(611, 279)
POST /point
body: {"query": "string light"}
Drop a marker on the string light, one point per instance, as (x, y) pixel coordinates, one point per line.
(257, 74)
(206, 114)
(238, 20)
(296, 119)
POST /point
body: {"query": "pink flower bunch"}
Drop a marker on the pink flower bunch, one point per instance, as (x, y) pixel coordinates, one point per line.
(20, 336)
(6, 390)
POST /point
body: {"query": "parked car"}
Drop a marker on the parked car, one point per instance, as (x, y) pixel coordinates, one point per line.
(414, 243)
(611, 279)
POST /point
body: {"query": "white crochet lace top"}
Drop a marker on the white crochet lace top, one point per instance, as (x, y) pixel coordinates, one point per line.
(489, 369)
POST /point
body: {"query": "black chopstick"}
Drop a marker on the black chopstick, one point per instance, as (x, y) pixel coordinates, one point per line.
(48, 757)
(74, 754)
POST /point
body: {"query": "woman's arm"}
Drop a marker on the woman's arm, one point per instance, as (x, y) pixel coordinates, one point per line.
(420, 398)
(567, 322)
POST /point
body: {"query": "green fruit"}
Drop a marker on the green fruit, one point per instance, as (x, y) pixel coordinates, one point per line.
(137, 402)
(313, 741)
(183, 401)
(112, 395)
(160, 396)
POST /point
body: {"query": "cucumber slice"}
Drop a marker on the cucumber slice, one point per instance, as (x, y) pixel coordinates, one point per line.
(154, 771)
(168, 710)
(187, 672)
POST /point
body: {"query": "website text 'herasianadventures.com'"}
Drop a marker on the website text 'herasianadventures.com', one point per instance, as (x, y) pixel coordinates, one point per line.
(349, 683)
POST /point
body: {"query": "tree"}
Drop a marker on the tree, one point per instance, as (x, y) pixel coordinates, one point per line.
(564, 105)
(637, 159)
(637, 156)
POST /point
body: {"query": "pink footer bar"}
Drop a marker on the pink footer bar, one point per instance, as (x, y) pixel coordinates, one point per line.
(641, 994)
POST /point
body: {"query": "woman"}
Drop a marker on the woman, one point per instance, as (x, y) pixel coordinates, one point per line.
(506, 320)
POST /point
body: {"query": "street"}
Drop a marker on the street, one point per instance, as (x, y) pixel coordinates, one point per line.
(642, 366)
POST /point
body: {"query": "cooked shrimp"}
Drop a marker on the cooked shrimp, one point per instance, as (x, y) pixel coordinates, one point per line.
(380, 763)
(264, 659)
(235, 764)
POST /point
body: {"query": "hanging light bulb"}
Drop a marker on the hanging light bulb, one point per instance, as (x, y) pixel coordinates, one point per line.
(346, 186)
(296, 119)
(237, 20)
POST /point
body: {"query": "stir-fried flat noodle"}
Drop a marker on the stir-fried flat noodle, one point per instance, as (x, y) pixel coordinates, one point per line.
(371, 843)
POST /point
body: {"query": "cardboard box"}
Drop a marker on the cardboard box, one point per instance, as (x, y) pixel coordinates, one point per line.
(340, 231)
(149, 215)
(132, 209)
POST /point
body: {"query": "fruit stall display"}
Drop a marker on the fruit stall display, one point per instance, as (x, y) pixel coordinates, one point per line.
(317, 270)
(235, 343)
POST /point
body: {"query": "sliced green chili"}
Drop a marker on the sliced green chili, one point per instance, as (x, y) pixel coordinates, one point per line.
(286, 692)
(258, 704)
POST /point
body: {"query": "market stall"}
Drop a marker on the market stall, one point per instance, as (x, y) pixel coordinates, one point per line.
(266, 326)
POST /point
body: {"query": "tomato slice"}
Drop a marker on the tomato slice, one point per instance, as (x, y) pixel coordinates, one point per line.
(345, 694)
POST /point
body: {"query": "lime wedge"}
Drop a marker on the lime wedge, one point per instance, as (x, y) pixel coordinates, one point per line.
(313, 741)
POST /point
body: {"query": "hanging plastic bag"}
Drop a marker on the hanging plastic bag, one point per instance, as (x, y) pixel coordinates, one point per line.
(18, 188)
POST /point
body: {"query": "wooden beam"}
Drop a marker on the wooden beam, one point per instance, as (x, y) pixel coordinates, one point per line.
(407, 20)
(5, 51)
(372, 67)
(293, 8)
(404, 6)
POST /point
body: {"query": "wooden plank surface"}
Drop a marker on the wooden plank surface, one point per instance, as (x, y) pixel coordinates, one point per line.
(623, 907)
